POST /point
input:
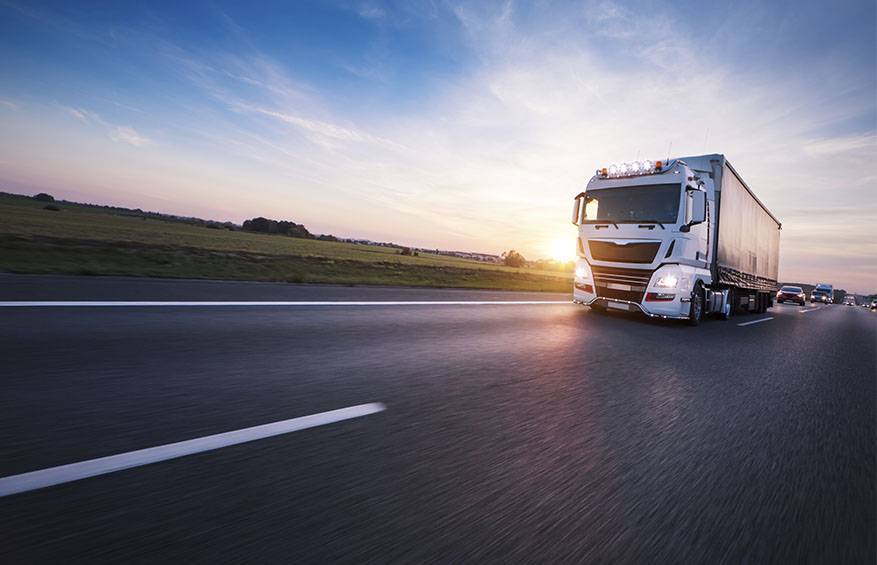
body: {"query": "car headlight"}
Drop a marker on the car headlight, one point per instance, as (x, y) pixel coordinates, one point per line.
(667, 281)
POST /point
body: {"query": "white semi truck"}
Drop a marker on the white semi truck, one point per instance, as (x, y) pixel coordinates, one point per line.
(679, 239)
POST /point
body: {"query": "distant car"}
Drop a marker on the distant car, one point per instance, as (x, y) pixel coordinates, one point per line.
(873, 305)
(823, 293)
(849, 300)
(820, 296)
(791, 294)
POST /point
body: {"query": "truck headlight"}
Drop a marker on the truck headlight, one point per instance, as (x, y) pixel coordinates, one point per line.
(667, 281)
(583, 272)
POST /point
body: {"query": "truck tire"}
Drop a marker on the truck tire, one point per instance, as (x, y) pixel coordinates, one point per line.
(695, 312)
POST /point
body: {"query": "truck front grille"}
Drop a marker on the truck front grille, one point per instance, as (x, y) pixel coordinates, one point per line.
(621, 284)
(632, 252)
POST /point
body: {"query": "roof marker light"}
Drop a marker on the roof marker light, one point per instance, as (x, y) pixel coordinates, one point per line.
(633, 168)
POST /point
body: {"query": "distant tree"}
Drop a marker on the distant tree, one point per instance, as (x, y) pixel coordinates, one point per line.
(325, 237)
(406, 251)
(43, 197)
(512, 258)
(283, 227)
(51, 208)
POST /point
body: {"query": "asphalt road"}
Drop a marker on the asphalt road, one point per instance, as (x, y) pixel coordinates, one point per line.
(512, 433)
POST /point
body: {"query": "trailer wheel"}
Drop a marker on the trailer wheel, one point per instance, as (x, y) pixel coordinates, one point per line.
(762, 303)
(695, 313)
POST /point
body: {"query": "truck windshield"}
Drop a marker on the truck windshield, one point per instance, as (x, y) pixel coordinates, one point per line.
(627, 204)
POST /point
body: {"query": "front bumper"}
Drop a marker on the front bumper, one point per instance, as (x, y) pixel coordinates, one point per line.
(629, 289)
(676, 309)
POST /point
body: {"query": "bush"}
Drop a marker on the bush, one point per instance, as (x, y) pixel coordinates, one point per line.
(513, 259)
(43, 197)
(406, 251)
(51, 207)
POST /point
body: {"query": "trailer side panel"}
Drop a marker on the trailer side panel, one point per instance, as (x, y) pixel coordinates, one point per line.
(748, 242)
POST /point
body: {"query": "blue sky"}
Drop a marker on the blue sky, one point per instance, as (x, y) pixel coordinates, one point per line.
(456, 125)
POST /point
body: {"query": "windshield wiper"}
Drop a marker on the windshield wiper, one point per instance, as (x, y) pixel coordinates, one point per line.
(653, 222)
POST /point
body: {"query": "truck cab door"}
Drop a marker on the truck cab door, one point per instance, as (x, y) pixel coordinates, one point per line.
(698, 220)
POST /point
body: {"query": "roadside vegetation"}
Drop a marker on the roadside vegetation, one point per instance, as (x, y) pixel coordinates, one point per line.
(44, 235)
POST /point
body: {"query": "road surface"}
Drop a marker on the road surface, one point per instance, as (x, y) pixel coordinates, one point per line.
(509, 433)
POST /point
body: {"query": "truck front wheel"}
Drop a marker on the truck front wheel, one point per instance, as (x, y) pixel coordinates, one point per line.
(695, 312)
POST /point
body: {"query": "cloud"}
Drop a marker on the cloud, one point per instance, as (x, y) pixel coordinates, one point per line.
(324, 129)
(9, 104)
(861, 145)
(125, 134)
(371, 12)
(82, 115)
(119, 133)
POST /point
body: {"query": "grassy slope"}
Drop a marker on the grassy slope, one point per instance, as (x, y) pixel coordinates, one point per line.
(87, 240)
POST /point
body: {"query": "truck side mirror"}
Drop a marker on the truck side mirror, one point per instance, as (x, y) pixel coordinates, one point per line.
(577, 209)
(695, 207)
(698, 209)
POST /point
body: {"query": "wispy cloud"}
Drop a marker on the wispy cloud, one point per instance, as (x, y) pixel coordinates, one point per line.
(119, 133)
(862, 145)
(126, 134)
(371, 11)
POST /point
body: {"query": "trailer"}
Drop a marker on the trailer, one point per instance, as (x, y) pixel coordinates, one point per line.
(680, 238)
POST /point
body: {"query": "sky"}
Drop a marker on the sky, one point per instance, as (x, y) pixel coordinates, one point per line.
(457, 125)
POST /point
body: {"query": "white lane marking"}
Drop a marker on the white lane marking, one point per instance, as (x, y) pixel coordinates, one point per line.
(808, 310)
(756, 321)
(195, 303)
(33, 480)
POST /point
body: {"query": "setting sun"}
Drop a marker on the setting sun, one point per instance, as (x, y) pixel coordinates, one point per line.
(563, 249)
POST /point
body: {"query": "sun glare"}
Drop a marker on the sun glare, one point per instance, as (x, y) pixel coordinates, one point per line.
(563, 249)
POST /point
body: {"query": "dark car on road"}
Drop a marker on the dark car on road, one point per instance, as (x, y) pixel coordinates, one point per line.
(791, 294)
(822, 296)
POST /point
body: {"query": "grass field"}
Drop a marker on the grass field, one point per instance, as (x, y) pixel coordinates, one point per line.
(81, 239)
